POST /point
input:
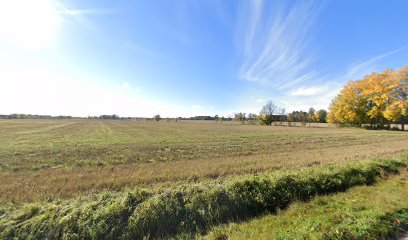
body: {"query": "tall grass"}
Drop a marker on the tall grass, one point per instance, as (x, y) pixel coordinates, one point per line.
(140, 214)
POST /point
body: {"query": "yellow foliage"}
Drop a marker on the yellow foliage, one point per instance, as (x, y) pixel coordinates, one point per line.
(378, 98)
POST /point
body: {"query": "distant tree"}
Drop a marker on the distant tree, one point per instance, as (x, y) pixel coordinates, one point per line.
(267, 112)
(321, 116)
(282, 116)
(239, 116)
(312, 115)
(291, 117)
(298, 116)
(157, 117)
(252, 116)
(114, 117)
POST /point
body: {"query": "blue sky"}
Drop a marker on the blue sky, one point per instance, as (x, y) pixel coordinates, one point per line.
(186, 58)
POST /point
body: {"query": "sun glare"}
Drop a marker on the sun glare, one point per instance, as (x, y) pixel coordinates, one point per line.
(28, 24)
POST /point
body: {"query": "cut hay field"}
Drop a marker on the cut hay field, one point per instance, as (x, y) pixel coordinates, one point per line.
(100, 179)
(49, 159)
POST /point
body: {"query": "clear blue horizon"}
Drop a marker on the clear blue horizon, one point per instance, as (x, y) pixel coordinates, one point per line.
(187, 58)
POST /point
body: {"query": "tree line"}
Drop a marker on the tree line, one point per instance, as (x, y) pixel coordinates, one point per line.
(272, 113)
(377, 100)
(33, 116)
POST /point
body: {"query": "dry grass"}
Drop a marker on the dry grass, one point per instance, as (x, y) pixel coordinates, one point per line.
(42, 159)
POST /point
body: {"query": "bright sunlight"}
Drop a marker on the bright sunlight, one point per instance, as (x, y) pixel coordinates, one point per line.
(28, 24)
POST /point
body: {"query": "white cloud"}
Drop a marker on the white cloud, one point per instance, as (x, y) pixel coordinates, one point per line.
(274, 51)
(309, 91)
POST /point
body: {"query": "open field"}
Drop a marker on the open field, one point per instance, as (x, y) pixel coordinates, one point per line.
(95, 179)
(46, 159)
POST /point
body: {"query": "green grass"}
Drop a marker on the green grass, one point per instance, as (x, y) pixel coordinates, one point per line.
(140, 213)
(365, 212)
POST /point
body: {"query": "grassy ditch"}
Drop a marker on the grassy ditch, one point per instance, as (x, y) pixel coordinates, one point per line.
(364, 212)
(190, 209)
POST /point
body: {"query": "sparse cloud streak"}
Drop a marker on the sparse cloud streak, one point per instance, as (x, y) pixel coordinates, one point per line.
(274, 52)
(359, 69)
(81, 15)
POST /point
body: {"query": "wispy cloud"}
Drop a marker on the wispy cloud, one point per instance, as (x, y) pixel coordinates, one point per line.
(321, 95)
(362, 68)
(81, 15)
(274, 51)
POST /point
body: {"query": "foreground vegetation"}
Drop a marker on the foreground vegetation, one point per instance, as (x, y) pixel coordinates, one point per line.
(366, 212)
(51, 159)
(141, 213)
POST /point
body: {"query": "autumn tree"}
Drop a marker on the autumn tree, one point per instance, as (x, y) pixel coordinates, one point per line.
(377, 99)
(349, 106)
(397, 110)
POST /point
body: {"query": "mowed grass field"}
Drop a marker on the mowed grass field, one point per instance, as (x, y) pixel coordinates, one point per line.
(49, 159)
